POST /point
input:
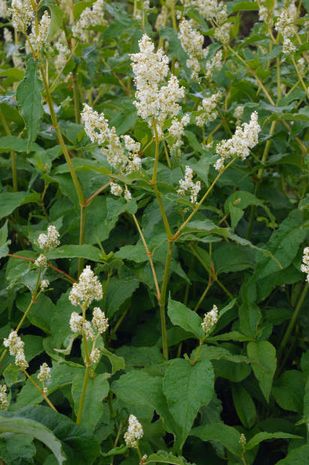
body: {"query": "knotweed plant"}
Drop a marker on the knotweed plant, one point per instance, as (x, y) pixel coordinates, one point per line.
(154, 232)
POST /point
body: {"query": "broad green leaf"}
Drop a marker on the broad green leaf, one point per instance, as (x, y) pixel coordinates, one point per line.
(97, 390)
(187, 388)
(29, 100)
(237, 202)
(9, 201)
(225, 435)
(139, 392)
(118, 291)
(80, 446)
(117, 363)
(165, 457)
(260, 437)
(244, 405)
(288, 391)
(262, 356)
(299, 456)
(36, 430)
(182, 316)
(4, 242)
(17, 449)
(17, 144)
(220, 353)
(86, 251)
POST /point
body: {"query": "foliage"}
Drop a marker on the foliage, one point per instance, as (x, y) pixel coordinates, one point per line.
(194, 229)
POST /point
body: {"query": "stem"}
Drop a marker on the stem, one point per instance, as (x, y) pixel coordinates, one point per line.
(205, 292)
(293, 320)
(299, 75)
(86, 376)
(95, 194)
(49, 402)
(82, 223)
(164, 287)
(76, 99)
(198, 205)
(149, 255)
(50, 265)
(156, 161)
(64, 148)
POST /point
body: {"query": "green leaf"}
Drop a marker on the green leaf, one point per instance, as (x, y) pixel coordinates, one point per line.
(116, 362)
(4, 242)
(260, 437)
(97, 390)
(244, 405)
(9, 201)
(17, 144)
(187, 388)
(262, 356)
(75, 251)
(17, 449)
(119, 290)
(29, 100)
(36, 430)
(165, 457)
(225, 435)
(237, 202)
(288, 391)
(182, 316)
(299, 456)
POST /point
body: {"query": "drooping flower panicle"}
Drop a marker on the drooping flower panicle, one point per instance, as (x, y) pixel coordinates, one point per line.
(186, 185)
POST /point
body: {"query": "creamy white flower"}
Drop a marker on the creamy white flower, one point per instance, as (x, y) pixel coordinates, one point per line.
(122, 154)
(116, 189)
(7, 35)
(213, 64)
(134, 432)
(210, 320)
(176, 131)
(50, 240)
(192, 42)
(90, 17)
(39, 33)
(79, 325)
(162, 18)
(222, 33)
(127, 194)
(16, 349)
(87, 289)
(63, 53)
(44, 374)
(4, 401)
(22, 14)
(238, 112)
(4, 10)
(44, 284)
(240, 144)
(186, 185)
(208, 109)
(41, 261)
(94, 356)
(305, 264)
(155, 100)
(99, 320)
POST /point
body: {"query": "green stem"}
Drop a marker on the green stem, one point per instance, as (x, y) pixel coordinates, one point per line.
(299, 75)
(198, 205)
(76, 99)
(164, 288)
(76, 183)
(82, 223)
(293, 320)
(83, 396)
(173, 14)
(43, 394)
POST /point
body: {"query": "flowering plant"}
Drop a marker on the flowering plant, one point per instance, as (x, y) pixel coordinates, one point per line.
(154, 232)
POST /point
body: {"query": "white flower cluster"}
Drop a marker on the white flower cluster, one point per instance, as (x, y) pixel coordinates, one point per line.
(99, 320)
(121, 153)
(4, 11)
(305, 265)
(162, 18)
(90, 17)
(44, 284)
(154, 100)
(186, 184)
(210, 320)
(86, 290)
(134, 432)
(117, 190)
(12, 49)
(44, 374)
(50, 240)
(63, 53)
(142, 7)
(41, 261)
(22, 14)
(286, 26)
(79, 325)
(16, 348)
(192, 42)
(4, 401)
(238, 112)
(216, 12)
(265, 11)
(244, 139)
(38, 36)
(207, 111)
(213, 64)
(176, 131)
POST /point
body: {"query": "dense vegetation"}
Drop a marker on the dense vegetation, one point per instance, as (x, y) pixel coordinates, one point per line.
(154, 232)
